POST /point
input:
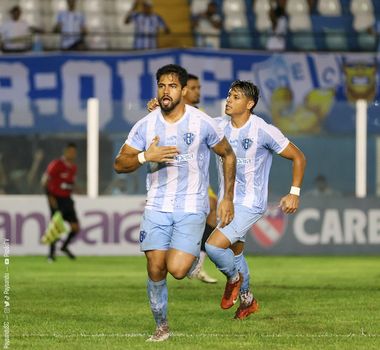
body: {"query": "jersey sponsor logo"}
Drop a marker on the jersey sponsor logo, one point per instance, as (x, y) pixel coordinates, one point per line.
(184, 157)
(188, 138)
(244, 161)
(246, 143)
(271, 227)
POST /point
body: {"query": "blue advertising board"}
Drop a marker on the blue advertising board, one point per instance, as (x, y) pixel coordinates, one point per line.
(300, 93)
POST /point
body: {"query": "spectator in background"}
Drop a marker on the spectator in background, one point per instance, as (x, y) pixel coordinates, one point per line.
(277, 35)
(16, 34)
(322, 188)
(207, 27)
(20, 180)
(59, 182)
(147, 25)
(71, 25)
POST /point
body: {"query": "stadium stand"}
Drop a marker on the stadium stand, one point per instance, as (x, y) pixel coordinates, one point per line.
(236, 24)
(329, 25)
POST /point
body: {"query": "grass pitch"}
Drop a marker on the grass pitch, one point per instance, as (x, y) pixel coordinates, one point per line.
(101, 303)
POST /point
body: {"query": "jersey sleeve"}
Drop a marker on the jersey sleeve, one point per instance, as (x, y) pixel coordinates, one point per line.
(60, 17)
(137, 137)
(215, 132)
(274, 139)
(53, 168)
(161, 22)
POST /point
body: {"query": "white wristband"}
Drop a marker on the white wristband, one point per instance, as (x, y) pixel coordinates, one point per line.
(295, 190)
(141, 158)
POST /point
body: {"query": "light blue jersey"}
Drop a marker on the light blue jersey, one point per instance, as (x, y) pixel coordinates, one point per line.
(182, 184)
(71, 25)
(146, 30)
(253, 144)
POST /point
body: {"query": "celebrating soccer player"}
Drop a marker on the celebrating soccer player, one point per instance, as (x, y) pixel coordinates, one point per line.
(175, 142)
(253, 141)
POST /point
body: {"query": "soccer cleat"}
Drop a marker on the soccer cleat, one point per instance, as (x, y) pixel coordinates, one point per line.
(245, 310)
(231, 293)
(161, 333)
(204, 277)
(67, 252)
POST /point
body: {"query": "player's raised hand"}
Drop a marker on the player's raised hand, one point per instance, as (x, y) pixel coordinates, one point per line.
(289, 203)
(160, 154)
(225, 212)
(152, 104)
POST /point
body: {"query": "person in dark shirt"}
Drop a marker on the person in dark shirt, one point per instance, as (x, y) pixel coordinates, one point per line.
(58, 181)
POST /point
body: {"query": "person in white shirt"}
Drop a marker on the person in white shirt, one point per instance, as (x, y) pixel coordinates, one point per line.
(71, 25)
(175, 141)
(277, 36)
(207, 27)
(16, 34)
(254, 142)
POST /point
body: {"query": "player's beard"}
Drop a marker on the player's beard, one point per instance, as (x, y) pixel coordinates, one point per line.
(168, 108)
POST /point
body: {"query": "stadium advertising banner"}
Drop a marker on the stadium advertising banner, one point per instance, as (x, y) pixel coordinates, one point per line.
(300, 93)
(111, 226)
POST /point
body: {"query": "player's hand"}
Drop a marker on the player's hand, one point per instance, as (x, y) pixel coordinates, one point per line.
(152, 104)
(289, 203)
(160, 154)
(225, 212)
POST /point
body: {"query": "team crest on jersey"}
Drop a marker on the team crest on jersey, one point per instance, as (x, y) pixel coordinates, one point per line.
(188, 138)
(246, 143)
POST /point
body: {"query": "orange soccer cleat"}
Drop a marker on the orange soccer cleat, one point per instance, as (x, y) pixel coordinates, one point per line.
(245, 310)
(231, 293)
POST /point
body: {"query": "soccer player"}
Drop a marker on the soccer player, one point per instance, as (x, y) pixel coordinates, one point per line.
(58, 181)
(253, 141)
(175, 141)
(192, 97)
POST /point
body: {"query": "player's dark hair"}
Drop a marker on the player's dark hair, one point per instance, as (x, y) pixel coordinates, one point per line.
(71, 145)
(179, 71)
(249, 90)
(192, 77)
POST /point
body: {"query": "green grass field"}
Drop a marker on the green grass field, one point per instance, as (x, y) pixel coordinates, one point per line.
(101, 303)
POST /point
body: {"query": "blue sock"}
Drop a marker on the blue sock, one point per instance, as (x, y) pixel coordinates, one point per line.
(242, 266)
(223, 259)
(158, 299)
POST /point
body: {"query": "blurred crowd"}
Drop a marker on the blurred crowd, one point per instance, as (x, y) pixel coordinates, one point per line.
(244, 23)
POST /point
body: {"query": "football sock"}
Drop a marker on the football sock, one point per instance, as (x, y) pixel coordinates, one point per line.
(158, 299)
(68, 240)
(242, 267)
(52, 249)
(224, 261)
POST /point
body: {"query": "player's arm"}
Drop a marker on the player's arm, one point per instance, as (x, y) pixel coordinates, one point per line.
(226, 207)
(290, 203)
(129, 159)
(128, 16)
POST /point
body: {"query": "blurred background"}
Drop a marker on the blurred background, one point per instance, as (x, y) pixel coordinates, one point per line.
(312, 60)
